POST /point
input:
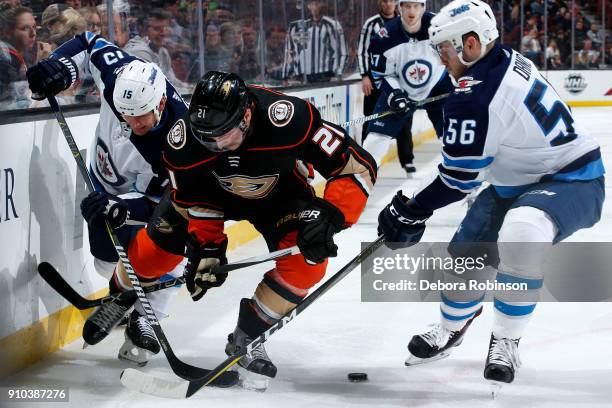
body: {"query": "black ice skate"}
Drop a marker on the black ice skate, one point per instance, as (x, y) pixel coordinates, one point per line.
(105, 318)
(436, 344)
(409, 168)
(258, 367)
(502, 361)
(140, 341)
(255, 368)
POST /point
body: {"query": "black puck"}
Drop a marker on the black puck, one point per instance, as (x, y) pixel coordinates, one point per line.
(357, 377)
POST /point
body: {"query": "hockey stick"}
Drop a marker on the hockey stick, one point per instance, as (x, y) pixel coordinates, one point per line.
(389, 112)
(180, 368)
(57, 282)
(145, 383)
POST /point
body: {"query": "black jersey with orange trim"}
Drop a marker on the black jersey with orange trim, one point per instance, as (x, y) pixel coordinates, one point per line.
(266, 174)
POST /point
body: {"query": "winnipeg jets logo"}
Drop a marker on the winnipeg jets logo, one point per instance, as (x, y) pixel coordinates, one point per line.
(105, 168)
(465, 84)
(252, 188)
(417, 73)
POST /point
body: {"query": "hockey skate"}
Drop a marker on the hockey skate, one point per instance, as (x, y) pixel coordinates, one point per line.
(410, 169)
(255, 368)
(502, 361)
(437, 343)
(140, 341)
(104, 319)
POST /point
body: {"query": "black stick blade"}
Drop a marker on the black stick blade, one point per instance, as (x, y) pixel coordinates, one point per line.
(57, 282)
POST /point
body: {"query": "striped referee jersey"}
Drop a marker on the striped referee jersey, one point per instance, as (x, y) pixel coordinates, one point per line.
(314, 47)
(371, 27)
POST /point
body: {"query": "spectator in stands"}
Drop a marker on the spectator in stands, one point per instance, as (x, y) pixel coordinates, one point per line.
(587, 57)
(274, 53)
(93, 19)
(213, 55)
(120, 22)
(19, 49)
(248, 64)
(75, 4)
(580, 34)
(553, 55)
(608, 60)
(228, 47)
(595, 35)
(564, 46)
(63, 23)
(531, 47)
(315, 46)
(151, 47)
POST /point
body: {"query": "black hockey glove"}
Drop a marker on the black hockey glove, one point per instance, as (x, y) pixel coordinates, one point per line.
(200, 260)
(400, 103)
(402, 220)
(51, 76)
(320, 220)
(98, 205)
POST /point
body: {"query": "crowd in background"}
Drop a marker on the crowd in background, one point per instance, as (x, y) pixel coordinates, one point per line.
(284, 42)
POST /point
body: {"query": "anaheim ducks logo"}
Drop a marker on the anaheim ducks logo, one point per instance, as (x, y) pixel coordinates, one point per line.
(281, 112)
(226, 88)
(176, 136)
(251, 188)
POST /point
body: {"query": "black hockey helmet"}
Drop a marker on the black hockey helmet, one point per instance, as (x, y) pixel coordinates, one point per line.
(218, 104)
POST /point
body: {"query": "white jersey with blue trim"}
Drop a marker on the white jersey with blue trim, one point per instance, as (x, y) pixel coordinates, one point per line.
(505, 124)
(405, 61)
(121, 162)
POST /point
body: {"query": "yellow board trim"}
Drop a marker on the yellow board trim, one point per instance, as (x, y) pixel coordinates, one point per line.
(581, 104)
(49, 334)
(32, 343)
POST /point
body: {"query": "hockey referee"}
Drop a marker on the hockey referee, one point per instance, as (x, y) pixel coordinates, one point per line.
(315, 46)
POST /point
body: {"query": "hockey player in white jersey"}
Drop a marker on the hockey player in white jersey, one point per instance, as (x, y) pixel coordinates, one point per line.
(405, 69)
(138, 108)
(504, 124)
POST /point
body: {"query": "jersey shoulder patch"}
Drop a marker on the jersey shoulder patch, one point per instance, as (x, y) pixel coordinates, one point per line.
(177, 136)
(281, 112)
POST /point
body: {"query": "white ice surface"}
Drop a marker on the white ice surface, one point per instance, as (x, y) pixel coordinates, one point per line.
(566, 351)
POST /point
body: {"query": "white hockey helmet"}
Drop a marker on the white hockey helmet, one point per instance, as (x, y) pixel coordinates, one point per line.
(460, 17)
(139, 88)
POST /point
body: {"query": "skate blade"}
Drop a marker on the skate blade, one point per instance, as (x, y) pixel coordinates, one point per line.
(495, 387)
(252, 381)
(413, 360)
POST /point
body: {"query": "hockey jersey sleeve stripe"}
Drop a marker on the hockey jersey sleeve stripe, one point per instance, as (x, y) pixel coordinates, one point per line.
(459, 185)
(204, 213)
(459, 175)
(467, 164)
(437, 195)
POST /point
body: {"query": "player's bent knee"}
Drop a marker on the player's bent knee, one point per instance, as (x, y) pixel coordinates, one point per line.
(527, 224)
(149, 260)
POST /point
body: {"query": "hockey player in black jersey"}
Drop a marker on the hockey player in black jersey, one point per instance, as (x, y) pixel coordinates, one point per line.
(239, 154)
